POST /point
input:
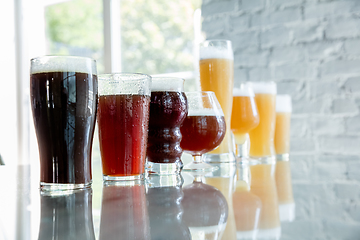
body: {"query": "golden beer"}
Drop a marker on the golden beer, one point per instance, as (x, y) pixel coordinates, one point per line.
(244, 115)
(262, 136)
(217, 75)
(282, 127)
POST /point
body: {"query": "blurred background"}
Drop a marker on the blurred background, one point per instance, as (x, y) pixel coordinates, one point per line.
(310, 48)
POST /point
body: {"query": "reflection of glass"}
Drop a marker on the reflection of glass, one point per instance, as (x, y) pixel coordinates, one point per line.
(217, 75)
(164, 200)
(63, 93)
(247, 206)
(262, 137)
(223, 179)
(124, 212)
(67, 216)
(203, 128)
(123, 118)
(205, 210)
(263, 185)
(244, 116)
(168, 109)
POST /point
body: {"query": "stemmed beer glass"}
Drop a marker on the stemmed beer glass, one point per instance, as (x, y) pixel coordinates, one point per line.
(244, 117)
(203, 129)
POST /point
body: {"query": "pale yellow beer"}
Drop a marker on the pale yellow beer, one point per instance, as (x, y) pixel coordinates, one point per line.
(217, 75)
(262, 136)
(282, 127)
(244, 115)
(283, 182)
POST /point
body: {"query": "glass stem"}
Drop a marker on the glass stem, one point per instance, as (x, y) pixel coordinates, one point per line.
(197, 159)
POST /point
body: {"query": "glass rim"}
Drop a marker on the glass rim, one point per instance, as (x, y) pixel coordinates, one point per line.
(158, 78)
(61, 56)
(216, 40)
(125, 76)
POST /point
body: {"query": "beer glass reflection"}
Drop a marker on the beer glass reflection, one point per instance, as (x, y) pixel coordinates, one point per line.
(63, 92)
(123, 118)
(262, 136)
(168, 109)
(123, 211)
(217, 75)
(203, 129)
(67, 216)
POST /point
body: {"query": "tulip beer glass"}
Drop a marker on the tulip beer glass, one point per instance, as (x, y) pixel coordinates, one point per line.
(63, 92)
(123, 118)
(217, 75)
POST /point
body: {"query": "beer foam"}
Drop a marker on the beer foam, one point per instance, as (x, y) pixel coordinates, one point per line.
(63, 64)
(213, 52)
(242, 92)
(169, 84)
(263, 87)
(283, 103)
(205, 112)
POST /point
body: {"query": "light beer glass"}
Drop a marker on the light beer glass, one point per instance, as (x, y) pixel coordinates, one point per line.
(262, 137)
(282, 149)
(244, 117)
(217, 75)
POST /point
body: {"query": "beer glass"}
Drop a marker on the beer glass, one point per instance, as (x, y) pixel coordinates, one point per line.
(282, 149)
(217, 75)
(63, 92)
(168, 109)
(244, 117)
(262, 136)
(123, 118)
(203, 129)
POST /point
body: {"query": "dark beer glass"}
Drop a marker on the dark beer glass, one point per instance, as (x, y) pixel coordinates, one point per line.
(168, 109)
(63, 93)
(123, 118)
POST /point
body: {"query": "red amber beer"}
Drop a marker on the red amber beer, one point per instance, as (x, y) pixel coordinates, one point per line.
(123, 117)
(63, 94)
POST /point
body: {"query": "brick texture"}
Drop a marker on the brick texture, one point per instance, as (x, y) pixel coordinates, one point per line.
(311, 49)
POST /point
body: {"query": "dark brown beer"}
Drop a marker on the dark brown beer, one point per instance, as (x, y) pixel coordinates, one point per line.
(64, 106)
(167, 112)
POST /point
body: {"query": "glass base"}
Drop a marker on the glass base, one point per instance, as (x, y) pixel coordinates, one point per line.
(63, 186)
(199, 167)
(171, 180)
(219, 158)
(282, 157)
(262, 160)
(252, 234)
(163, 168)
(124, 178)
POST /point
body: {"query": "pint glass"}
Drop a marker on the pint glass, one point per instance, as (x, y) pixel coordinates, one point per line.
(262, 137)
(63, 93)
(123, 117)
(217, 75)
(168, 110)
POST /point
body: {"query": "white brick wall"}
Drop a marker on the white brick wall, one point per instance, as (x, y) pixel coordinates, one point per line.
(311, 48)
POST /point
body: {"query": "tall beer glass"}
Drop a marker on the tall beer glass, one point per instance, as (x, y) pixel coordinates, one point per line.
(168, 109)
(262, 137)
(282, 149)
(217, 75)
(123, 118)
(63, 92)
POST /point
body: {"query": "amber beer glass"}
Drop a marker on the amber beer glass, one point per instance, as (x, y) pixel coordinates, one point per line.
(123, 117)
(217, 75)
(262, 137)
(282, 149)
(63, 92)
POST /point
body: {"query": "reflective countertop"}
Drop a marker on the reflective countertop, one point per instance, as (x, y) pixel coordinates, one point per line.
(218, 205)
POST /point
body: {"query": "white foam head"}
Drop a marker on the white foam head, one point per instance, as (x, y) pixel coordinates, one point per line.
(283, 103)
(168, 84)
(263, 87)
(205, 112)
(216, 49)
(63, 64)
(244, 90)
